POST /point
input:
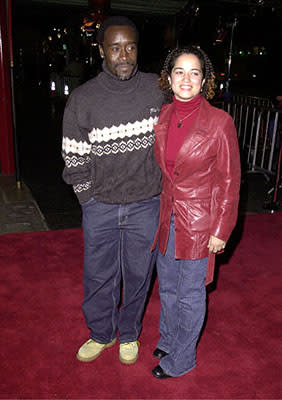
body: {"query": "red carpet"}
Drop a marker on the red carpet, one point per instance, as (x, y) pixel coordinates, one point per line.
(239, 355)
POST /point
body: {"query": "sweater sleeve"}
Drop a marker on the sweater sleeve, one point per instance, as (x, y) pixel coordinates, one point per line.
(76, 150)
(226, 187)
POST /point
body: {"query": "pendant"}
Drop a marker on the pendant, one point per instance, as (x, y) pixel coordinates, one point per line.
(179, 125)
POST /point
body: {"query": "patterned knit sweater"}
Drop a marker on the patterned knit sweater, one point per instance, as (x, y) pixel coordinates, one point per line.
(108, 138)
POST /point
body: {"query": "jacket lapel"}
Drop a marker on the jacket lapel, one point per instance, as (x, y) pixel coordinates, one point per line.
(196, 135)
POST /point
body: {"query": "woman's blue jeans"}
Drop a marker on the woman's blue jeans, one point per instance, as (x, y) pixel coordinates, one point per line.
(117, 247)
(183, 306)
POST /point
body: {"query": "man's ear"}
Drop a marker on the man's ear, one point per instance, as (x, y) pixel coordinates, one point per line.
(101, 50)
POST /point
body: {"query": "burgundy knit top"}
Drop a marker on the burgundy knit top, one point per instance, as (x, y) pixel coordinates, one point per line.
(176, 135)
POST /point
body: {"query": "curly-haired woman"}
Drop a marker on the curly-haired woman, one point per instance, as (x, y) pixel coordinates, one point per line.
(196, 148)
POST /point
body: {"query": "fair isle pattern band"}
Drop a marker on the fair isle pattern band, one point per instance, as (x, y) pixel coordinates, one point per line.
(74, 147)
(99, 139)
(122, 131)
(81, 187)
(123, 146)
(74, 161)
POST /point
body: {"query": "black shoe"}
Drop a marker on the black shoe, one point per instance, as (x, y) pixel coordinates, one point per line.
(159, 373)
(159, 353)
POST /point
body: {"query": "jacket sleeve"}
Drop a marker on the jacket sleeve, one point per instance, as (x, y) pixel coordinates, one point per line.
(76, 150)
(226, 182)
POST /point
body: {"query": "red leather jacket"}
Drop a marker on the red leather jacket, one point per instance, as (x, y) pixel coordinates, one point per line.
(204, 193)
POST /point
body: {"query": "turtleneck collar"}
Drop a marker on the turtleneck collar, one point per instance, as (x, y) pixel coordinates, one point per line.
(184, 107)
(113, 83)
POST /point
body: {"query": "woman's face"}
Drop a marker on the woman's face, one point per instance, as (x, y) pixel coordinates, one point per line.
(186, 77)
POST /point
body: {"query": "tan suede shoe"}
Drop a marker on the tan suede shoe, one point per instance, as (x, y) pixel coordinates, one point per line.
(91, 350)
(128, 352)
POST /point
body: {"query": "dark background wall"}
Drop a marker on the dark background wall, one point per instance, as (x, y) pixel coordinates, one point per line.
(258, 30)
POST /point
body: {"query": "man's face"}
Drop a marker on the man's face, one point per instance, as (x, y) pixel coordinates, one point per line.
(120, 50)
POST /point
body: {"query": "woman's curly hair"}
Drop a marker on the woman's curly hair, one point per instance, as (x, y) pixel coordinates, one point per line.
(206, 65)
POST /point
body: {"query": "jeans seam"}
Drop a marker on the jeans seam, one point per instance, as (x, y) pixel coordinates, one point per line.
(114, 303)
(165, 296)
(178, 302)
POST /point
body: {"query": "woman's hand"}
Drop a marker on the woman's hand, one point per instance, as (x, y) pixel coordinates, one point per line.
(215, 244)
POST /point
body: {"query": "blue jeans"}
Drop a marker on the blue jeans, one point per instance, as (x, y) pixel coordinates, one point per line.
(117, 247)
(183, 306)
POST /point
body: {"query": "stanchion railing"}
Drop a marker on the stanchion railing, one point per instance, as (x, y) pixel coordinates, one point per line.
(259, 135)
(252, 100)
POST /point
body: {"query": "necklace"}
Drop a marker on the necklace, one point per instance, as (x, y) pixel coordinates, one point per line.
(186, 116)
